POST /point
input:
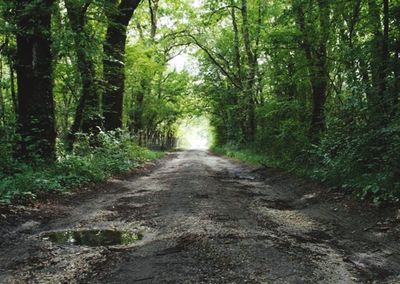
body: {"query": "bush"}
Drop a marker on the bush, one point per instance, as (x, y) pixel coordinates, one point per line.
(360, 157)
(246, 155)
(114, 153)
(282, 133)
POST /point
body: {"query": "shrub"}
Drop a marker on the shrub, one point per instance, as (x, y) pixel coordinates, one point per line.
(113, 153)
(361, 157)
(282, 133)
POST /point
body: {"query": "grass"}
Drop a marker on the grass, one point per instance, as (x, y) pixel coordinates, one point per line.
(245, 155)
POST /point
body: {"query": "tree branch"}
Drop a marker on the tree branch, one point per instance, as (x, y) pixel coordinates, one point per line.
(215, 61)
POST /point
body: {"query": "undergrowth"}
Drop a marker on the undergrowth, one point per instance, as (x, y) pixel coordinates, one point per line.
(114, 153)
(355, 153)
(246, 155)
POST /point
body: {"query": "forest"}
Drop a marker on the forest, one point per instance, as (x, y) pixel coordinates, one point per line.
(93, 88)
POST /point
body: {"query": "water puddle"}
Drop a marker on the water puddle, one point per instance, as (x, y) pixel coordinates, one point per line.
(244, 177)
(92, 238)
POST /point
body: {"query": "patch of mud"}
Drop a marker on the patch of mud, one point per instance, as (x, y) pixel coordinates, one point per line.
(222, 218)
(201, 196)
(279, 204)
(313, 237)
(248, 191)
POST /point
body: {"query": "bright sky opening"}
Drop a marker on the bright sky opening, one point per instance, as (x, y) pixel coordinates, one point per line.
(195, 134)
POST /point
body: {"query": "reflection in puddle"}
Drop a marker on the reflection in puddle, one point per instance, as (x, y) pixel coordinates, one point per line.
(92, 238)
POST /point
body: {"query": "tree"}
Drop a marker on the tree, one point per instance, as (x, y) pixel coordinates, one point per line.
(252, 66)
(145, 81)
(379, 100)
(119, 14)
(36, 118)
(87, 115)
(314, 41)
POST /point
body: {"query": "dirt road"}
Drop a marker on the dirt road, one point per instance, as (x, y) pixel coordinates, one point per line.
(204, 219)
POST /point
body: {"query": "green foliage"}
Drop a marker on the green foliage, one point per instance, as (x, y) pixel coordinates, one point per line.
(155, 95)
(282, 134)
(353, 154)
(326, 92)
(361, 158)
(246, 155)
(115, 154)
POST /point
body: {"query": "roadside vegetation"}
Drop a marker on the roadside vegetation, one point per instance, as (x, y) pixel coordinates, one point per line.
(115, 153)
(307, 86)
(86, 89)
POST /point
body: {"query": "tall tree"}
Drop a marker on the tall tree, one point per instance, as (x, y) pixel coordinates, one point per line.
(379, 101)
(314, 42)
(145, 82)
(87, 114)
(36, 120)
(252, 65)
(119, 14)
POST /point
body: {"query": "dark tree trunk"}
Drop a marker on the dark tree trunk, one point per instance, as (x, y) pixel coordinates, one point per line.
(87, 114)
(319, 89)
(36, 120)
(396, 60)
(396, 71)
(2, 104)
(291, 87)
(114, 52)
(387, 99)
(114, 60)
(153, 9)
(320, 81)
(378, 100)
(317, 60)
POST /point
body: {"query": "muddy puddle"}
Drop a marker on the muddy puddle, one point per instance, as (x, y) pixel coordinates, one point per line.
(92, 238)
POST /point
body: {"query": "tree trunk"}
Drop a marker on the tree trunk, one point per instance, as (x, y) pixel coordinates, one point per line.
(36, 120)
(138, 111)
(87, 114)
(12, 87)
(396, 71)
(139, 127)
(2, 104)
(396, 60)
(351, 22)
(251, 75)
(387, 98)
(236, 46)
(320, 81)
(118, 16)
(378, 101)
(318, 68)
(291, 86)
(153, 7)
